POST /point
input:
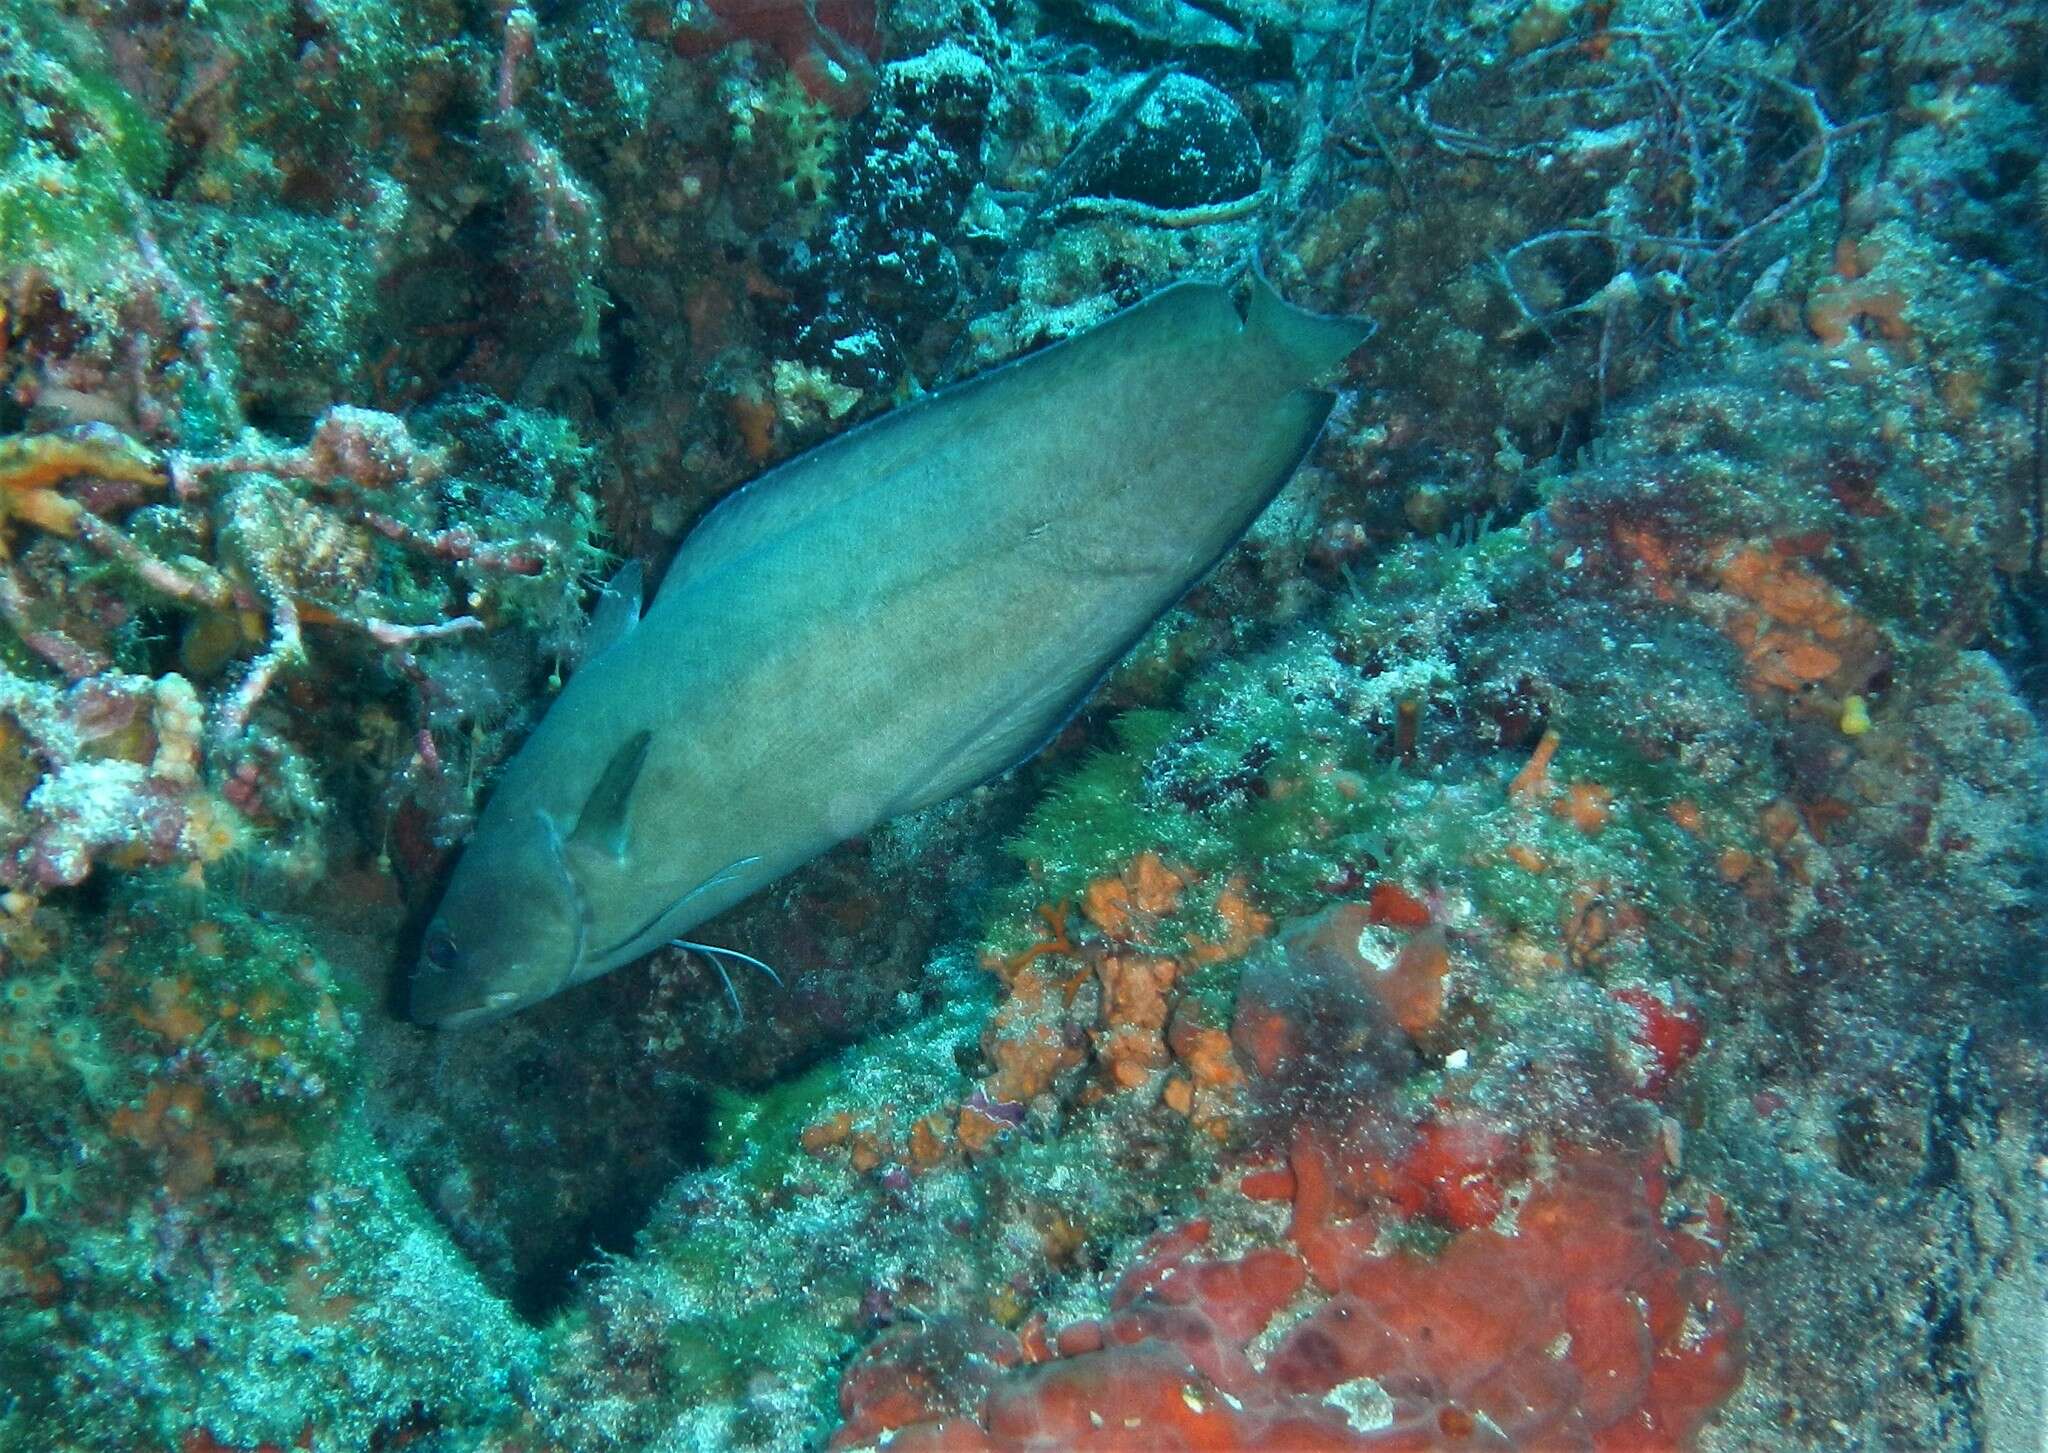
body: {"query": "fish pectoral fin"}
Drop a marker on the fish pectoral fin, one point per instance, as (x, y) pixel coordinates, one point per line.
(602, 825)
(618, 611)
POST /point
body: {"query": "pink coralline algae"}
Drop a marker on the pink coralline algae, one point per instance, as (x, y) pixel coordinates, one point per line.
(120, 779)
(1596, 1320)
(830, 47)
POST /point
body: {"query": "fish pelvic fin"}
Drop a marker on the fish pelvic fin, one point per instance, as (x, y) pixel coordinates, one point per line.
(712, 954)
(724, 875)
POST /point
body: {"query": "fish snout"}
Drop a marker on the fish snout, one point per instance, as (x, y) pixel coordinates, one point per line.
(450, 990)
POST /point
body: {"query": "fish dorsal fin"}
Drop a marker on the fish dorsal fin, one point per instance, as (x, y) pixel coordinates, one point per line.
(601, 826)
(792, 495)
(884, 453)
(618, 611)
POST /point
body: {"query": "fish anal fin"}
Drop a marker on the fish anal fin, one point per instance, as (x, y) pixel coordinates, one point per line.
(602, 825)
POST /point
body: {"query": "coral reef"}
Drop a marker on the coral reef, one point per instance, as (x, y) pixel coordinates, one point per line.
(1540, 950)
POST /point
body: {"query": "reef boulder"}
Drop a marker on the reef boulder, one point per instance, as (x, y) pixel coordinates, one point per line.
(1184, 145)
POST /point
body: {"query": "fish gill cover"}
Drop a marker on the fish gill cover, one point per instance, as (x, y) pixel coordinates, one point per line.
(1542, 949)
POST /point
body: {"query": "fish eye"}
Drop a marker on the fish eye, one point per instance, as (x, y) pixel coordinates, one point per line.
(441, 951)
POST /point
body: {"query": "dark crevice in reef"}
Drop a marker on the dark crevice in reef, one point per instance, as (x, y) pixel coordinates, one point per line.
(545, 1287)
(539, 1147)
(545, 1274)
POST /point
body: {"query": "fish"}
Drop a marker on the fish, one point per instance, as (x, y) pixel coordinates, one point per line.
(888, 620)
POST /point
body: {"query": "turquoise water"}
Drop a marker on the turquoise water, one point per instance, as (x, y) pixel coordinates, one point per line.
(1114, 724)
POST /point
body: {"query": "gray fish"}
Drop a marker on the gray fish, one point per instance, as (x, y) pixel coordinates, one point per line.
(902, 613)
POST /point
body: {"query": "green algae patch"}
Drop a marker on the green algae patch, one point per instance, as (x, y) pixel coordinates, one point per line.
(1274, 766)
(76, 151)
(758, 1134)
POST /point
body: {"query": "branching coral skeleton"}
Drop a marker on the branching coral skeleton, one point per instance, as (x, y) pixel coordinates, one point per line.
(1704, 87)
(268, 511)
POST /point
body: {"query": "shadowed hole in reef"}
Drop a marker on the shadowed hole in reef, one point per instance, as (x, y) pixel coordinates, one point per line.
(544, 1288)
(539, 1144)
(545, 1280)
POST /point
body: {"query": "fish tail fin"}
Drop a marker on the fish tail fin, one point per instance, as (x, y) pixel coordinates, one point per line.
(1309, 344)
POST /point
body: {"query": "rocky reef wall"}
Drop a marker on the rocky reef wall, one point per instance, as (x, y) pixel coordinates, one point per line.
(1543, 949)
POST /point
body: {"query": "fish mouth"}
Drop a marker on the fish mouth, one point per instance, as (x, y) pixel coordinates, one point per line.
(439, 1014)
(441, 1006)
(466, 1015)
